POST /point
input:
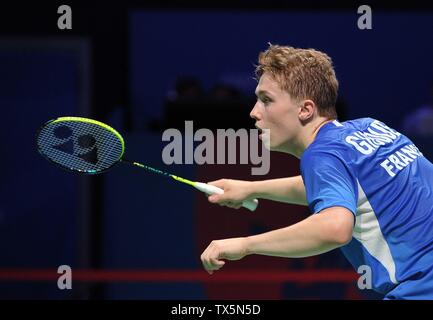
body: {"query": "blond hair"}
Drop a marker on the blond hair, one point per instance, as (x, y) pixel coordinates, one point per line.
(304, 74)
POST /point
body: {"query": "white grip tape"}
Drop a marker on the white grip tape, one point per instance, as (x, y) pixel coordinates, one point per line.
(209, 189)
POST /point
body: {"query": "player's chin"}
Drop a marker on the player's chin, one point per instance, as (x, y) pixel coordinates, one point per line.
(266, 141)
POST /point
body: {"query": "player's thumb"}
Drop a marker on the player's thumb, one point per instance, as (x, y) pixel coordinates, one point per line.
(221, 263)
(217, 198)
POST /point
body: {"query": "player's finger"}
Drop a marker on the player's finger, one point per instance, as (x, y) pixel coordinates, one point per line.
(205, 260)
(215, 262)
(218, 199)
(210, 259)
(215, 198)
(234, 205)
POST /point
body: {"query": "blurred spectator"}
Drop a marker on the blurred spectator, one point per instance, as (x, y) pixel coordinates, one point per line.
(187, 92)
(187, 88)
(224, 92)
(420, 122)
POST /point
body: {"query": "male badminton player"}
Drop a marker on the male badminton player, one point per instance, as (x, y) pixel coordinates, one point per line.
(369, 187)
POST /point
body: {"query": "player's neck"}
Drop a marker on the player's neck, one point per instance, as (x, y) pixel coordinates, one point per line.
(308, 135)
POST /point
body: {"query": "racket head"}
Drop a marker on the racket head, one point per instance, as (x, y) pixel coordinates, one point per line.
(80, 144)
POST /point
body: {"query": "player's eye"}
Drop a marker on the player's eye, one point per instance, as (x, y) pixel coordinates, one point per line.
(266, 100)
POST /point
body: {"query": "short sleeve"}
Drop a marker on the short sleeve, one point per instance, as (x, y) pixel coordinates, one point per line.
(329, 182)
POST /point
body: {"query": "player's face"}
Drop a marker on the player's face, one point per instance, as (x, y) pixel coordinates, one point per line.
(277, 111)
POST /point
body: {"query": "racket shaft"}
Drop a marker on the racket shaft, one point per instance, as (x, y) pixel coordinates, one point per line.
(203, 187)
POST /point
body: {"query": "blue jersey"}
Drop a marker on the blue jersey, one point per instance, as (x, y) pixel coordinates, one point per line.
(384, 180)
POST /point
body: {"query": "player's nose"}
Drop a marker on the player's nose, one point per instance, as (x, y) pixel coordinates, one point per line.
(255, 113)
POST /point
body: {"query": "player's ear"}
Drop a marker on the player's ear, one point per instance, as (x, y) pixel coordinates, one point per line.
(306, 110)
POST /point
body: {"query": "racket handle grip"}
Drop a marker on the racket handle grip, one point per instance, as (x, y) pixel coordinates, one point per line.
(210, 189)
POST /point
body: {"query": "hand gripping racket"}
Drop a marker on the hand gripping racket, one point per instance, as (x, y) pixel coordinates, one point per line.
(90, 147)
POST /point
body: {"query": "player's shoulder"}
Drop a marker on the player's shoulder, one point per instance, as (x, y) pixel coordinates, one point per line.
(360, 124)
(331, 140)
(334, 133)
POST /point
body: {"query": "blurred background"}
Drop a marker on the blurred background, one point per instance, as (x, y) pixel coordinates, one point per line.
(143, 67)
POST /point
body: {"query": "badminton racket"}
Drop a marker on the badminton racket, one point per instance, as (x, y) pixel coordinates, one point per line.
(88, 146)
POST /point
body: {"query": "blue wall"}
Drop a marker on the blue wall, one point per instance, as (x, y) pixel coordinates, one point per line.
(39, 203)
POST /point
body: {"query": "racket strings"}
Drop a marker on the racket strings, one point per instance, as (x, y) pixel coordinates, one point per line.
(89, 148)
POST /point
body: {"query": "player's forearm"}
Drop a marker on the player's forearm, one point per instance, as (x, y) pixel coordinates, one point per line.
(312, 236)
(289, 190)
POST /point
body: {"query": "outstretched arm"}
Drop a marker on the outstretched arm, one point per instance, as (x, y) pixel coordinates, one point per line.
(319, 233)
(288, 190)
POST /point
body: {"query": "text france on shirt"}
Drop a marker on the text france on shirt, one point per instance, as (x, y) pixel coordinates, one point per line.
(377, 135)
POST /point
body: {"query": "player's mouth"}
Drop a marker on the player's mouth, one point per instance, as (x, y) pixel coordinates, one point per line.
(261, 133)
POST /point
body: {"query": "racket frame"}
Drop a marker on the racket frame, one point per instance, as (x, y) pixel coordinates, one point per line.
(86, 120)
